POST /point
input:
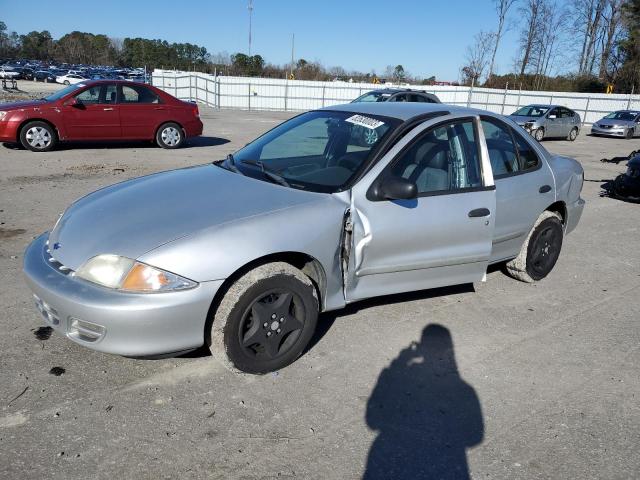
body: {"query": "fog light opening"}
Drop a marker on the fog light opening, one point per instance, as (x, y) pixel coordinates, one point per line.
(85, 331)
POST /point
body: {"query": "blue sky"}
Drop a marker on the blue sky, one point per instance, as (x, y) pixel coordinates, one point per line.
(427, 37)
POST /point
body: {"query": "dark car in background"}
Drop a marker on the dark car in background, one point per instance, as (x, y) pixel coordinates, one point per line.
(397, 95)
(548, 121)
(100, 110)
(46, 76)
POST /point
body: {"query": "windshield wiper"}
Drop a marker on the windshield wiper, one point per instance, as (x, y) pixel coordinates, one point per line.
(270, 174)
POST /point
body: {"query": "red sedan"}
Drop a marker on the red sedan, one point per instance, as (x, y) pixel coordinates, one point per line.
(100, 110)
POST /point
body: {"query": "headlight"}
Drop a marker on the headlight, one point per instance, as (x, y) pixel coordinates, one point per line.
(2, 115)
(124, 274)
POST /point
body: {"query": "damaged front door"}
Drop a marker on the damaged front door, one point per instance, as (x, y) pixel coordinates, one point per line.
(441, 237)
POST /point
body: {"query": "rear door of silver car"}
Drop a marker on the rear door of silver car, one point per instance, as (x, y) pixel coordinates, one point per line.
(442, 237)
(525, 186)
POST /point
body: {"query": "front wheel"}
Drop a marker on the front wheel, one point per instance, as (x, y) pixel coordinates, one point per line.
(539, 134)
(629, 134)
(265, 320)
(66, 82)
(573, 134)
(38, 137)
(170, 135)
(540, 251)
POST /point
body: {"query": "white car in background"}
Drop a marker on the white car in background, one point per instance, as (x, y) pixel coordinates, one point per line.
(70, 79)
(7, 72)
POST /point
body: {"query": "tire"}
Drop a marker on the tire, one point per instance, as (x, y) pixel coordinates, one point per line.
(170, 135)
(629, 134)
(539, 134)
(276, 295)
(573, 134)
(66, 82)
(540, 251)
(38, 136)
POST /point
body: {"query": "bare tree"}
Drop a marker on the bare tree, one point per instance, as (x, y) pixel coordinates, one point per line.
(531, 11)
(588, 15)
(547, 41)
(477, 57)
(612, 27)
(502, 9)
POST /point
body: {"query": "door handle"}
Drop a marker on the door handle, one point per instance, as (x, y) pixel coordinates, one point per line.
(108, 109)
(159, 108)
(545, 189)
(479, 212)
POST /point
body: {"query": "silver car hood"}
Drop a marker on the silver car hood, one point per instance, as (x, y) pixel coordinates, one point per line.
(613, 122)
(136, 216)
(520, 120)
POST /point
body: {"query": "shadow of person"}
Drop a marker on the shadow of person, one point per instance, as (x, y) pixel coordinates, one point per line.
(425, 414)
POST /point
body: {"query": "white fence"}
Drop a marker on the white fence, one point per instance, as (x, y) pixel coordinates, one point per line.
(251, 93)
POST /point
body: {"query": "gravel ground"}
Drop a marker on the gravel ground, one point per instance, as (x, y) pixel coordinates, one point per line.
(503, 380)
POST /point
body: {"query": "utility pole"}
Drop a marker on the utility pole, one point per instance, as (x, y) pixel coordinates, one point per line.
(293, 41)
(250, 15)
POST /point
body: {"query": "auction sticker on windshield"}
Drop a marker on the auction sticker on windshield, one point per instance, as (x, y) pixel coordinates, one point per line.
(366, 122)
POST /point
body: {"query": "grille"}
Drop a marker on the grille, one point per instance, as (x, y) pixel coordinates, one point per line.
(55, 263)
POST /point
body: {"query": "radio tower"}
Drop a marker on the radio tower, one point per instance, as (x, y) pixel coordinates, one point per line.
(250, 15)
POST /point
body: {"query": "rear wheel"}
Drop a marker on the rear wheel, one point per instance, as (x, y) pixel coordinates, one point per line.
(540, 251)
(66, 82)
(265, 320)
(573, 134)
(539, 134)
(38, 136)
(170, 135)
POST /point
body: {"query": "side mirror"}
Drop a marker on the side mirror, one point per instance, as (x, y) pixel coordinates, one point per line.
(552, 116)
(74, 102)
(396, 188)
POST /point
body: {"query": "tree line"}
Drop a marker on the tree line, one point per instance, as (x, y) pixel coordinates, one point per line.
(575, 45)
(98, 49)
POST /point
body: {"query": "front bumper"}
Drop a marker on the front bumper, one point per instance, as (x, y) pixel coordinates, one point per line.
(115, 322)
(574, 213)
(8, 130)
(609, 132)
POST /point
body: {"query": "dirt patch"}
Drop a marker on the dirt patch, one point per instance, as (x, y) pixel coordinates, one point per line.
(11, 232)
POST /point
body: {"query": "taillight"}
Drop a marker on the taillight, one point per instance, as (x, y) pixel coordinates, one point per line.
(196, 112)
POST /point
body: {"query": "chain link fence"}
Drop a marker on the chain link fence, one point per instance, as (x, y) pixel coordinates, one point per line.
(251, 93)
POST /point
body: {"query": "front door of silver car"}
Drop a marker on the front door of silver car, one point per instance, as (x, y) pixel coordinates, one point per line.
(446, 229)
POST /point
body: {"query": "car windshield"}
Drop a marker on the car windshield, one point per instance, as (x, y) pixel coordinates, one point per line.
(65, 91)
(372, 97)
(320, 151)
(531, 111)
(627, 116)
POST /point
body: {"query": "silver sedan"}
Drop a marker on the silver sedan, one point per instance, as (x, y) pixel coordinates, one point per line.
(243, 254)
(621, 124)
(548, 121)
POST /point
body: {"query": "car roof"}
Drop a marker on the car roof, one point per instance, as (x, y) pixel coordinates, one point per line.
(403, 110)
(397, 90)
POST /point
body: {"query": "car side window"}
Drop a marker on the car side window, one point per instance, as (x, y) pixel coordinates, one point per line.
(401, 97)
(444, 159)
(110, 94)
(555, 112)
(137, 94)
(527, 156)
(502, 150)
(90, 96)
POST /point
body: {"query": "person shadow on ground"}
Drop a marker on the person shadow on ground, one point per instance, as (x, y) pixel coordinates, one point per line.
(425, 414)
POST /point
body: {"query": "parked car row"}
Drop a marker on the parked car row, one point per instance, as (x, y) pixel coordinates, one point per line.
(48, 72)
(540, 120)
